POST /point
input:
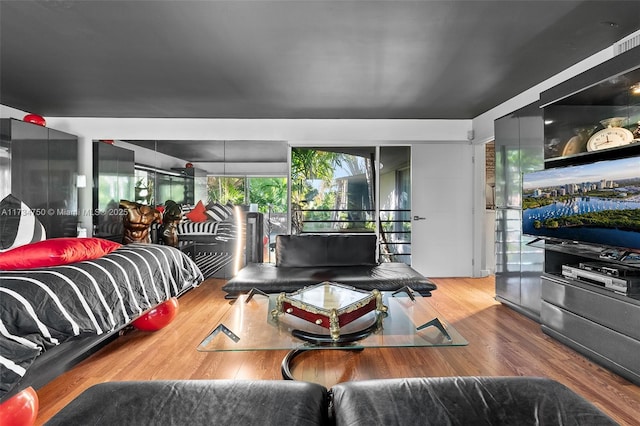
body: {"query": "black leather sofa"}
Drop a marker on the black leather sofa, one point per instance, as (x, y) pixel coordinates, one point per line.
(303, 260)
(416, 401)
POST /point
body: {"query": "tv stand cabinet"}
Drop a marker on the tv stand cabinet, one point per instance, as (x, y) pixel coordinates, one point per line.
(597, 322)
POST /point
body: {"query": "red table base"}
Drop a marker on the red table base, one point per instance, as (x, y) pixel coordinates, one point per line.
(158, 317)
(21, 409)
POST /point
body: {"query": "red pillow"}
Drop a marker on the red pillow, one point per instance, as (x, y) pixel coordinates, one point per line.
(198, 214)
(161, 210)
(55, 252)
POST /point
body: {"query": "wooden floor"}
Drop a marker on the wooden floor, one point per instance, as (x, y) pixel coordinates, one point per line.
(501, 343)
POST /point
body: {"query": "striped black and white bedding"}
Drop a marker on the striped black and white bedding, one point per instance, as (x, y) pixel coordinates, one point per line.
(41, 308)
(206, 227)
(215, 244)
(219, 231)
(223, 231)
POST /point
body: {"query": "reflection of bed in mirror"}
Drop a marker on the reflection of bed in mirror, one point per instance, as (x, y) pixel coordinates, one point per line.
(220, 247)
(147, 172)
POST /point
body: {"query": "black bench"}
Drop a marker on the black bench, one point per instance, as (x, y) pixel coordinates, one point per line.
(303, 260)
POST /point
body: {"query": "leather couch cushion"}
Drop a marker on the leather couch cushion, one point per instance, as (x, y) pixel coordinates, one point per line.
(462, 401)
(197, 402)
(415, 401)
(272, 279)
(325, 250)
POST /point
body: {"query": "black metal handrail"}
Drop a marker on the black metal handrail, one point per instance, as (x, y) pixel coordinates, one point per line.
(390, 246)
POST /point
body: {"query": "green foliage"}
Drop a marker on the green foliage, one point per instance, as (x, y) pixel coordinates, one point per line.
(309, 164)
(224, 189)
(268, 191)
(622, 219)
(312, 174)
(315, 188)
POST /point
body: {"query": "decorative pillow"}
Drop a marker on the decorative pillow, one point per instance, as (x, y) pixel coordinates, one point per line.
(218, 212)
(230, 207)
(198, 213)
(55, 252)
(18, 224)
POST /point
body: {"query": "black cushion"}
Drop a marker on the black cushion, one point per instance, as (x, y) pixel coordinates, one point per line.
(275, 279)
(325, 250)
(462, 401)
(304, 260)
(197, 402)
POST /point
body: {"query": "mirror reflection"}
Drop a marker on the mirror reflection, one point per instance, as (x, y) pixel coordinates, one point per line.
(364, 189)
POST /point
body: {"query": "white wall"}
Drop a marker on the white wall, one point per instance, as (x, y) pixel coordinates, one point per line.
(8, 112)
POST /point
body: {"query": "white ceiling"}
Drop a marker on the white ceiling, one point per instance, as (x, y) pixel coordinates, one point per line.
(292, 59)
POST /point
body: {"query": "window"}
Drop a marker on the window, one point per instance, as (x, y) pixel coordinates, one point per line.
(335, 189)
(332, 190)
(226, 189)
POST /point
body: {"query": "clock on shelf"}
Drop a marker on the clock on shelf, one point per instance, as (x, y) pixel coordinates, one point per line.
(578, 143)
(612, 136)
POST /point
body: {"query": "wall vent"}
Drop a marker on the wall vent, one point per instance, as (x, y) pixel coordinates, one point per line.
(627, 43)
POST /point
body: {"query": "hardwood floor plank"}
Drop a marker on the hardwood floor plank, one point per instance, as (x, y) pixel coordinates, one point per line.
(501, 343)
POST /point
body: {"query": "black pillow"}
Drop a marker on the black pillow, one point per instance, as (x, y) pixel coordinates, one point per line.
(18, 224)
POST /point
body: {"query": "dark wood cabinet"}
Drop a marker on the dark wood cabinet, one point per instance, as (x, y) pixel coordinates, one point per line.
(44, 171)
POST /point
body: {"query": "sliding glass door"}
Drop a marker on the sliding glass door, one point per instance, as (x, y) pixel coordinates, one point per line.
(332, 190)
(354, 190)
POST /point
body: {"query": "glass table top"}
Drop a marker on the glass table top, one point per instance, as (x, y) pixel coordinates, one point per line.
(410, 321)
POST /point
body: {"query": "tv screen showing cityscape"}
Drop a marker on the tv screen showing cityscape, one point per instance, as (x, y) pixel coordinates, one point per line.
(595, 203)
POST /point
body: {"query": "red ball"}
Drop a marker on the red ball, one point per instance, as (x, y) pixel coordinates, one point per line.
(35, 119)
(158, 317)
(188, 165)
(21, 409)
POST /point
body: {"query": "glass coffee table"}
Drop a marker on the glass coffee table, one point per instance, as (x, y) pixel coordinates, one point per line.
(329, 316)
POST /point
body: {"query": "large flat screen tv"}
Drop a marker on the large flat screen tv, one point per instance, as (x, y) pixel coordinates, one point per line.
(596, 203)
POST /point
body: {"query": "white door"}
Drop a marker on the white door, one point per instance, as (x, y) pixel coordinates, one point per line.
(442, 209)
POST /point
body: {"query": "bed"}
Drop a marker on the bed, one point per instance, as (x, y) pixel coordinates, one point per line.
(52, 316)
(211, 245)
(219, 238)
